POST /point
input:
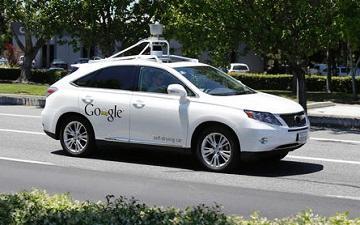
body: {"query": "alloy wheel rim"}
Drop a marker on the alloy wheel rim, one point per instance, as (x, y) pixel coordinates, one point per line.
(75, 137)
(216, 150)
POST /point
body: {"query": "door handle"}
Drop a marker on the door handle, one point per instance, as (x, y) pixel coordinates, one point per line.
(87, 99)
(138, 104)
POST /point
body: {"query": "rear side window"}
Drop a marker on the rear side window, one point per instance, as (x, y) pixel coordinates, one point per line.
(115, 77)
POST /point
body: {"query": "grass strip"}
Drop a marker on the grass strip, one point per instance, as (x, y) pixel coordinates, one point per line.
(23, 89)
(336, 97)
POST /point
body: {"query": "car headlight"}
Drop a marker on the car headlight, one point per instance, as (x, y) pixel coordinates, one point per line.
(263, 117)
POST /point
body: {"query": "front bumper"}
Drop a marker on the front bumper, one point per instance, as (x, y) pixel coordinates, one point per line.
(255, 156)
(261, 137)
(52, 135)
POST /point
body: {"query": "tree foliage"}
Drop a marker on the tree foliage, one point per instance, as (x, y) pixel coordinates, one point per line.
(349, 21)
(4, 28)
(107, 23)
(293, 30)
(41, 21)
(203, 25)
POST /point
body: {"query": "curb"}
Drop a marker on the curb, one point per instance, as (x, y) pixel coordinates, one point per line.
(331, 121)
(334, 122)
(28, 100)
(315, 105)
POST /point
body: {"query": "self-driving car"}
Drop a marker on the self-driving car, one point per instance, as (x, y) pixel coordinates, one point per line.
(170, 101)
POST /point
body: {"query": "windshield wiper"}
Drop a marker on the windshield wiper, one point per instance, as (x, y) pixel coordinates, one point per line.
(234, 93)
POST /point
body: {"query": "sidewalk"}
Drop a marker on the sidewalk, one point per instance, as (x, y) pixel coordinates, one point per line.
(328, 114)
(321, 114)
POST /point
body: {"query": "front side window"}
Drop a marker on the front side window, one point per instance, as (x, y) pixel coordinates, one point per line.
(157, 80)
(115, 77)
(213, 82)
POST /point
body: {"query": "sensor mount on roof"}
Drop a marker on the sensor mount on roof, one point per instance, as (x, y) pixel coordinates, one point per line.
(157, 49)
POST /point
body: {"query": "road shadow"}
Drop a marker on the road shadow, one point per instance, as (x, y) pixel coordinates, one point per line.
(153, 157)
(185, 160)
(279, 169)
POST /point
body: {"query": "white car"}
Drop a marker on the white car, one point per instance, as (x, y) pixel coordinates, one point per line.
(183, 104)
(318, 69)
(3, 61)
(239, 68)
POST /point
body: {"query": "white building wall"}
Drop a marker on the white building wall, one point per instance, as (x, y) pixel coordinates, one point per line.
(255, 62)
(65, 52)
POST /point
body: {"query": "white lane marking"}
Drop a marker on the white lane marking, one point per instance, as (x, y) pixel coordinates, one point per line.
(27, 161)
(22, 131)
(335, 140)
(324, 159)
(344, 197)
(18, 115)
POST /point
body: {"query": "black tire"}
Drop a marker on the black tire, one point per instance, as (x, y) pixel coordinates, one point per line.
(90, 145)
(232, 163)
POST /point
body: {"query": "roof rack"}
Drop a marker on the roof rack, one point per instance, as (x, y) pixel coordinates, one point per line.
(157, 49)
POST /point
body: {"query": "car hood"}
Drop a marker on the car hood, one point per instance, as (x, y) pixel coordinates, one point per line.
(258, 102)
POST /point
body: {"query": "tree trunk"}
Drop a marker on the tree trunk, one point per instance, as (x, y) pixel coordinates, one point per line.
(25, 74)
(301, 91)
(294, 85)
(48, 54)
(353, 68)
(299, 73)
(353, 79)
(329, 71)
(88, 49)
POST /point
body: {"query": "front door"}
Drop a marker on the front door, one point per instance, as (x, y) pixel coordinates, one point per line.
(156, 117)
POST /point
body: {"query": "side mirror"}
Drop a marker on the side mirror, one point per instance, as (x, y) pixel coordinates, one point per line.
(177, 90)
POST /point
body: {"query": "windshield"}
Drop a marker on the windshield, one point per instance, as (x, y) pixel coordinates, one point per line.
(213, 82)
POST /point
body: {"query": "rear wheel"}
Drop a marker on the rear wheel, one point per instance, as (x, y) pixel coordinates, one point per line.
(217, 149)
(77, 136)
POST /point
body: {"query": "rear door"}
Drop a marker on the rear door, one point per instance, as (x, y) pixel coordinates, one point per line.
(104, 99)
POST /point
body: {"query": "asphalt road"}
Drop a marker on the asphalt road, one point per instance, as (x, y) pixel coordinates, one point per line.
(324, 175)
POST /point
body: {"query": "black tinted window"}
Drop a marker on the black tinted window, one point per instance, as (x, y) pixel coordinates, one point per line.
(116, 77)
(157, 80)
(87, 81)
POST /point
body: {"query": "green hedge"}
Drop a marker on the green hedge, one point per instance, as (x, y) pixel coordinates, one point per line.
(256, 81)
(37, 207)
(265, 82)
(37, 76)
(9, 73)
(285, 82)
(46, 77)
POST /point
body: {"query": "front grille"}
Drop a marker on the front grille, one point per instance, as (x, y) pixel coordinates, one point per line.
(294, 119)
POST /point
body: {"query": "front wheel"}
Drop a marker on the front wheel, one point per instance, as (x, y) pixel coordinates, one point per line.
(77, 136)
(217, 149)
